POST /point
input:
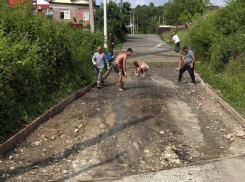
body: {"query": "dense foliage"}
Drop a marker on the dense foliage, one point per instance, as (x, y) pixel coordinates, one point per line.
(117, 17)
(178, 12)
(218, 41)
(41, 61)
(148, 17)
(174, 12)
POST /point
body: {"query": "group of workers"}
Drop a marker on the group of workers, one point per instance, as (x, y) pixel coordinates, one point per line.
(119, 64)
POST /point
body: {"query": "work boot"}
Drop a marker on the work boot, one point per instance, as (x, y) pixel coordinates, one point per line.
(118, 84)
(98, 85)
(121, 90)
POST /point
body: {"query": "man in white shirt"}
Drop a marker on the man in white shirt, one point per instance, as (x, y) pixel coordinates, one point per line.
(176, 41)
(98, 61)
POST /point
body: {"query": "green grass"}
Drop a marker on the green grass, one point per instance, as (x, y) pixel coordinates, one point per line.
(118, 47)
(166, 37)
(232, 87)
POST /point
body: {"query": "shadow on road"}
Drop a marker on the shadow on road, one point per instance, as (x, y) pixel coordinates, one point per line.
(91, 167)
(77, 148)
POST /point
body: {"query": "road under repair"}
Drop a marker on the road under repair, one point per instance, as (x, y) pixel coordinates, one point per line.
(156, 127)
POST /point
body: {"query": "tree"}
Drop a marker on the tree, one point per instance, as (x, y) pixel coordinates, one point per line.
(117, 17)
(177, 12)
(148, 17)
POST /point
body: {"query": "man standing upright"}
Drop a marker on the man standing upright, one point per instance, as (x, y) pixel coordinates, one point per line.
(111, 43)
(188, 64)
(98, 61)
(176, 41)
(119, 67)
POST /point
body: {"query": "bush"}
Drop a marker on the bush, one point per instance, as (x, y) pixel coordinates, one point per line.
(41, 61)
(218, 41)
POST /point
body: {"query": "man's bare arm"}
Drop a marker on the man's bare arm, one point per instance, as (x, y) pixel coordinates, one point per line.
(124, 62)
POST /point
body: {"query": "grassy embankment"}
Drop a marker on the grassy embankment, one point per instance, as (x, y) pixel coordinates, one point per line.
(218, 41)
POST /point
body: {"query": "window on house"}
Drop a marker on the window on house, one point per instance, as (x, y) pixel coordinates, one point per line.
(47, 11)
(85, 16)
(50, 12)
(65, 14)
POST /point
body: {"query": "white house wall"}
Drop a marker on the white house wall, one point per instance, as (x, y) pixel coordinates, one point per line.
(71, 1)
(42, 2)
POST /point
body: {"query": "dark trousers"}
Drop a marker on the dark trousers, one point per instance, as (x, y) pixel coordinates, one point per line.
(190, 70)
(176, 49)
(111, 47)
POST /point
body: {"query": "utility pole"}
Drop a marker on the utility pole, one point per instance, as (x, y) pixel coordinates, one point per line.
(91, 12)
(163, 19)
(137, 24)
(159, 21)
(130, 23)
(121, 4)
(133, 23)
(105, 25)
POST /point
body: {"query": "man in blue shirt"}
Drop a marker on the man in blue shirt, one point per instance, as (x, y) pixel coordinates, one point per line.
(188, 65)
(98, 61)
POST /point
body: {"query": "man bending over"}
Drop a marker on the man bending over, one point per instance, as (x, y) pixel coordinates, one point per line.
(119, 67)
(140, 67)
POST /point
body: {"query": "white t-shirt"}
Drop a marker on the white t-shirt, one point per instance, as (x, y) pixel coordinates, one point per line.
(176, 39)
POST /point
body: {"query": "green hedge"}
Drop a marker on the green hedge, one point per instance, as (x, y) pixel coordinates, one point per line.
(41, 61)
(218, 41)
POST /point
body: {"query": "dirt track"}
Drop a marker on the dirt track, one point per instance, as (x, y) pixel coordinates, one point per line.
(154, 125)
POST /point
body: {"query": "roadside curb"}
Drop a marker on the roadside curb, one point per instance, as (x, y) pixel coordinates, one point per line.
(11, 142)
(232, 111)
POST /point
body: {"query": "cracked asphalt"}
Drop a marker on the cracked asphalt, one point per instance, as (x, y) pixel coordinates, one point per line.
(154, 131)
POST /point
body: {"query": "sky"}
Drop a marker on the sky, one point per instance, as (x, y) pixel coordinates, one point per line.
(159, 2)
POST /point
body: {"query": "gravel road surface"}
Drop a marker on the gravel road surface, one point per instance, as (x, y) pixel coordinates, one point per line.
(151, 132)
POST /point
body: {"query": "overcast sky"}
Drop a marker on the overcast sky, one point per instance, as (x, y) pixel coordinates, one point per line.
(159, 2)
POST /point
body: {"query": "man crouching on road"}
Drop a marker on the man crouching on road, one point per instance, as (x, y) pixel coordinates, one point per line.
(140, 67)
(188, 65)
(98, 62)
(119, 67)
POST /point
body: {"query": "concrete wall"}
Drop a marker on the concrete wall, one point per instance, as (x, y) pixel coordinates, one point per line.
(73, 2)
(75, 11)
(79, 15)
(42, 2)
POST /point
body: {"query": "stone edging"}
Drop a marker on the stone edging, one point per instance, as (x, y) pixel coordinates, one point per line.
(238, 117)
(11, 142)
